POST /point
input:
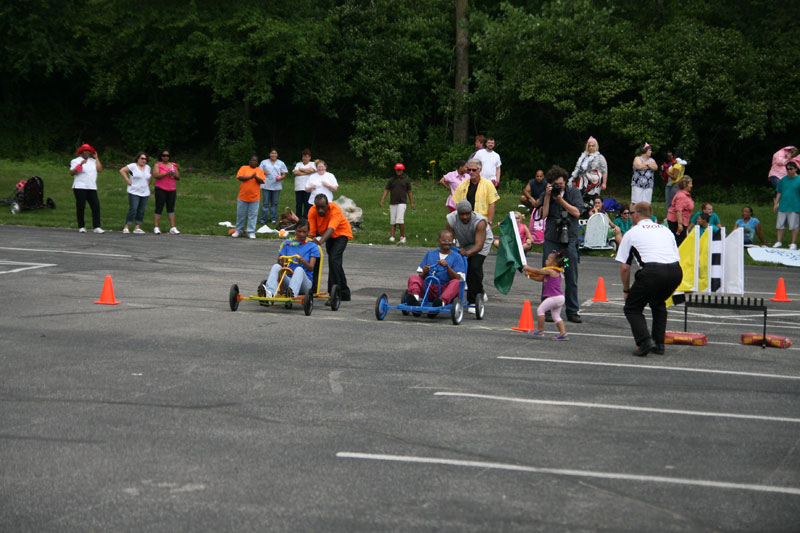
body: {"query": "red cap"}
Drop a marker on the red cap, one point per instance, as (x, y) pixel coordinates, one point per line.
(399, 166)
(83, 147)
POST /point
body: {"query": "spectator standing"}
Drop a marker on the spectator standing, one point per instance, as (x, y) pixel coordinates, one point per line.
(779, 160)
(787, 205)
(330, 227)
(490, 162)
(666, 168)
(475, 239)
(251, 177)
(447, 265)
(642, 182)
(478, 191)
(479, 142)
(302, 171)
(275, 171)
(751, 226)
(137, 176)
(84, 170)
(321, 182)
(399, 187)
(676, 172)
(591, 171)
(166, 174)
(452, 180)
(561, 208)
(680, 211)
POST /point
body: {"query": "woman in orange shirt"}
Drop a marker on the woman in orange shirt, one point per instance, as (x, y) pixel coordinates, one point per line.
(250, 179)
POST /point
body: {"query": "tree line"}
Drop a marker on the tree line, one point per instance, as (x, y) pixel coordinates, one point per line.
(377, 81)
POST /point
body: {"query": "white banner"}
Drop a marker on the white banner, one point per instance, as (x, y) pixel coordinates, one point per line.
(776, 255)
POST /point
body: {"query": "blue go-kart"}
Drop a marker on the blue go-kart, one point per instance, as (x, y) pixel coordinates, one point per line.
(455, 308)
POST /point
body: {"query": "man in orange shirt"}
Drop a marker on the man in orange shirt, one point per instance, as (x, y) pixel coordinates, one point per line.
(328, 225)
(250, 179)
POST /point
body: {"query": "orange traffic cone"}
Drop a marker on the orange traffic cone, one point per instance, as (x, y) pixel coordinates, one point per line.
(107, 297)
(600, 291)
(525, 318)
(780, 292)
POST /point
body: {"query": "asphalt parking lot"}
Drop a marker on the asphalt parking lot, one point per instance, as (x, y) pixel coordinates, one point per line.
(169, 412)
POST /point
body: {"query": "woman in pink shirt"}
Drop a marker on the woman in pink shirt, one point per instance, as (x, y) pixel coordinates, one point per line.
(166, 174)
(452, 180)
(778, 168)
(680, 211)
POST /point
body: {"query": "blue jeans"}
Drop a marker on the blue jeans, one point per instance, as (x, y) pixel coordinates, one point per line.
(137, 205)
(248, 211)
(299, 282)
(669, 193)
(269, 206)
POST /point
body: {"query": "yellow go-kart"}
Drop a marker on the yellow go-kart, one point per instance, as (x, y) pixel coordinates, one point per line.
(306, 300)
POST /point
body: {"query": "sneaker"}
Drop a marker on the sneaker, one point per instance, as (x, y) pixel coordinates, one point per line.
(391, 239)
(485, 298)
(157, 231)
(251, 235)
(174, 231)
(139, 231)
(82, 230)
(261, 290)
(437, 302)
(267, 293)
(289, 293)
(793, 246)
(125, 230)
(98, 230)
(471, 310)
(536, 334)
(235, 234)
(561, 337)
(412, 299)
(402, 240)
(777, 245)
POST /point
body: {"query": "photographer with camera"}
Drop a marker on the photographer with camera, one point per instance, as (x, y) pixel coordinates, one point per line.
(561, 208)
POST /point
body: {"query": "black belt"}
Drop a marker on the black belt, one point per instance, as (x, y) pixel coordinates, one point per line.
(661, 265)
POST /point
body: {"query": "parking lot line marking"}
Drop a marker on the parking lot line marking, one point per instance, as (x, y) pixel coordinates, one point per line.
(651, 367)
(30, 266)
(569, 472)
(62, 252)
(621, 407)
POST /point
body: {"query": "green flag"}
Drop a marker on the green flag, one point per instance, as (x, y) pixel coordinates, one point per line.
(510, 255)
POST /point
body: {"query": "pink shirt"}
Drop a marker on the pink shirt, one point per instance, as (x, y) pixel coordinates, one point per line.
(779, 160)
(167, 183)
(683, 203)
(453, 179)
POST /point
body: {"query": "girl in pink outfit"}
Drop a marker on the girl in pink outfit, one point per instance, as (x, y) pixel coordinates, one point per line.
(552, 293)
(679, 214)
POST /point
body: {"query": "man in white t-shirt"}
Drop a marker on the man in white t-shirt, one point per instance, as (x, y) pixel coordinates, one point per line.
(491, 162)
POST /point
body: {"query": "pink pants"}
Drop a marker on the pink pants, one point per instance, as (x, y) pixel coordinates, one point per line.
(416, 285)
(552, 304)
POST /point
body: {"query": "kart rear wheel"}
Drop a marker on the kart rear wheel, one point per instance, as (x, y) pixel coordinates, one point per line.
(381, 307)
(480, 307)
(335, 298)
(308, 303)
(457, 312)
(403, 301)
(233, 297)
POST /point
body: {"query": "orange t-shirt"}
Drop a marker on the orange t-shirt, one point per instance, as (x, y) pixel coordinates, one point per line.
(334, 218)
(250, 190)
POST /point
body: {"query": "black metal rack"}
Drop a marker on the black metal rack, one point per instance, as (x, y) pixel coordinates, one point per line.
(725, 302)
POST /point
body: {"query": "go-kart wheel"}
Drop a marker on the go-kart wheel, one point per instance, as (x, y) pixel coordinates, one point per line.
(457, 312)
(381, 307)
(288, 305)
(51, 204)
(416, 313)
(233, 297)
(14, 208)
(335, 298)
(403, 301)
(308, 303)
(480, 306)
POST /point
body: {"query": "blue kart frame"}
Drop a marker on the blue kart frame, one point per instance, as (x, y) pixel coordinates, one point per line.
(455, 308)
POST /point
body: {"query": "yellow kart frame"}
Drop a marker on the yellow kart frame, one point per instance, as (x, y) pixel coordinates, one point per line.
(306, 300)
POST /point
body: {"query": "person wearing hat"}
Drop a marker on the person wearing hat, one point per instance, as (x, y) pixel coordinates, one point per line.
(399, 187)
(84, 170)
(475, 239)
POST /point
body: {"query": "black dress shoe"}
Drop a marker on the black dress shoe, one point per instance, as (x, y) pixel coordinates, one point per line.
(575, 318)
(437, 302)
(644, 349)
(345, 297)
(659, 349)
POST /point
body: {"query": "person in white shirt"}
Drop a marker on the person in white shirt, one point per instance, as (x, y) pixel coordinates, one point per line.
(321, 182)
(137, 176)
(84, 170)
(491, 162)
(653, 247)
(302, 171)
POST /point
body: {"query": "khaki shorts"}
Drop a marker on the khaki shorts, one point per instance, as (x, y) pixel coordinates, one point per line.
(397, 214)
(788, 217)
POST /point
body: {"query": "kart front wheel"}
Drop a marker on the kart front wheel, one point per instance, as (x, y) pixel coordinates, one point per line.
(403, 301)
(480, 307)
(457, 312)
(308, 303)
(335, 298)
(381, 307)
(233, 297)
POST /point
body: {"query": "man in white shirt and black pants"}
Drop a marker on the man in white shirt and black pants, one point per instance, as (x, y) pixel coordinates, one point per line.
(653, 247)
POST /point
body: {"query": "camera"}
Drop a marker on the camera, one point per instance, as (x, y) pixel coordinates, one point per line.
(556, 189)
(563, 227)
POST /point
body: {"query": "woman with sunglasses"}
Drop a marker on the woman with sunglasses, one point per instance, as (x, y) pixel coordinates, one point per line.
(166, 174)
(137, 176)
